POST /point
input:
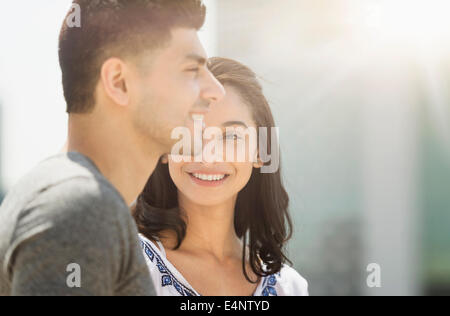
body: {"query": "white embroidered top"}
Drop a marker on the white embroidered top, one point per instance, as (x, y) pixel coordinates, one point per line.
(168, 281)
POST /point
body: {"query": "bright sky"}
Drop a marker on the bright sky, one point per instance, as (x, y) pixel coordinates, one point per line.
(34, 124)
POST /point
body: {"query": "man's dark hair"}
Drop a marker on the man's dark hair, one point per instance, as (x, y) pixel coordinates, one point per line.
(116, 28)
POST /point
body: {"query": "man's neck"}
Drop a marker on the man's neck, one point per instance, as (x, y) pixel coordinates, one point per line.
(120, 157)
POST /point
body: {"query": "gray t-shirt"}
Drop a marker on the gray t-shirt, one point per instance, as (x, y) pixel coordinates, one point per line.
(63, 216)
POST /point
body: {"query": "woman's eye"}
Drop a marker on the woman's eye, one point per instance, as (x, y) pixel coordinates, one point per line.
(232, 136)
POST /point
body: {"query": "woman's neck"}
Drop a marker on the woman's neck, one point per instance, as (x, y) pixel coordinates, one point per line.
(210, 229)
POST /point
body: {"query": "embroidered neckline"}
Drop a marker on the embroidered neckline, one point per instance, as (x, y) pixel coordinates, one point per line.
(269, 285)
(168, 279)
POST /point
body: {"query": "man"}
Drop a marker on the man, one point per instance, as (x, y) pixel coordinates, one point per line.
(132, 72)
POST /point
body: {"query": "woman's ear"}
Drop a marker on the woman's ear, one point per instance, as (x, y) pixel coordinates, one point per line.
(258, 164)
(165, 159)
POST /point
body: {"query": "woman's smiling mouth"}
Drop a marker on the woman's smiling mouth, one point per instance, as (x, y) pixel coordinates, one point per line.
(208, 179)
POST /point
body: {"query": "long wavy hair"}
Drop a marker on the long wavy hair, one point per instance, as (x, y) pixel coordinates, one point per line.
(261, 217)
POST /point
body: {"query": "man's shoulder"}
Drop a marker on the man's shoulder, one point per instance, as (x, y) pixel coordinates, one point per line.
(58, 169)
(62, 178)
(78, 195)
(67, 187)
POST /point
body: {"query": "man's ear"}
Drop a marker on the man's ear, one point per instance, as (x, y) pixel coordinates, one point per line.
(165, 159)
(113, 80)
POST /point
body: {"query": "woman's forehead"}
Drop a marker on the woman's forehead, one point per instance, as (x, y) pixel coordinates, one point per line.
(231, 108)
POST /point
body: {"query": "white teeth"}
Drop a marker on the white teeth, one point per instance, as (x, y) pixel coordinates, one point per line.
(210, 177)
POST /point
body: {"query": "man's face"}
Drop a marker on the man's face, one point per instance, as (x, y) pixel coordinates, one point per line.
(176, 86)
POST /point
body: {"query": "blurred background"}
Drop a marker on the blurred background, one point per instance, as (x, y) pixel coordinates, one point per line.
(360, 90)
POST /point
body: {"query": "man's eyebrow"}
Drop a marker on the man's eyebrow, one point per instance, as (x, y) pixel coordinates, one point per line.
(231, 123)
(198, 58)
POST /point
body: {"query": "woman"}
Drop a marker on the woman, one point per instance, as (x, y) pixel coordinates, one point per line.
(219, 229)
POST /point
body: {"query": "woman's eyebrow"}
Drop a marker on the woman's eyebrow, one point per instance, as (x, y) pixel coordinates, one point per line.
(231, 123)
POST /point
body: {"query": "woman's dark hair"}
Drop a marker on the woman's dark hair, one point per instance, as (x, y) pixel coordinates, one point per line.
(261, 213)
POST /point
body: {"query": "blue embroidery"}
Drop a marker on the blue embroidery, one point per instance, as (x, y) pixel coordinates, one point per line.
(149, 253)
(167, 277)
(161, 268)
(272, 290)
(166, 280)
(269, 289)
(272, 280)
(178, 287)
(264, 282)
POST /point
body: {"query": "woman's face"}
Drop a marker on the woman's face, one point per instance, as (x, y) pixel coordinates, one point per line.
(215, 182)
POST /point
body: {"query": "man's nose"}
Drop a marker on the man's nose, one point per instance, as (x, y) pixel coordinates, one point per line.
(213, 90)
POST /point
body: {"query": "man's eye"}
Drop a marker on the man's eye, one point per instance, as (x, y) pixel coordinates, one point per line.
(194, 69)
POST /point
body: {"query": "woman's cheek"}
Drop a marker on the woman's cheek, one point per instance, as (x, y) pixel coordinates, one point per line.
(243, 174)
(176, 172)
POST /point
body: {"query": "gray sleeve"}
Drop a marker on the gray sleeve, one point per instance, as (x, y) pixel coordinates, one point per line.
(77, 222)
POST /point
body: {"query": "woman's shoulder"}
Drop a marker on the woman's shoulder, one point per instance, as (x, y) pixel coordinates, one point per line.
(291, 283)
